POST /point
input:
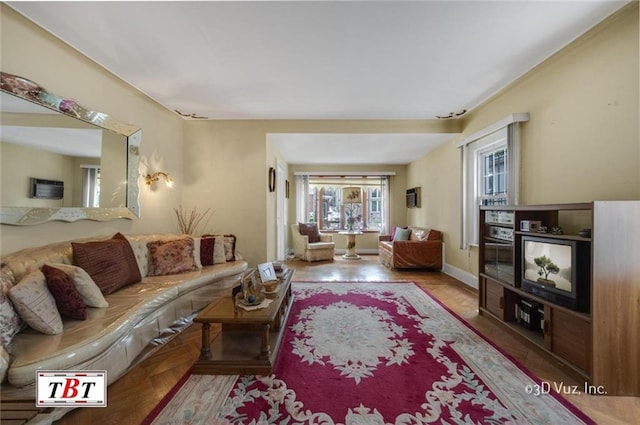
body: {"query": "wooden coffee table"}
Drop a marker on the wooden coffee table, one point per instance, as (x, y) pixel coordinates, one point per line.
(249, 341)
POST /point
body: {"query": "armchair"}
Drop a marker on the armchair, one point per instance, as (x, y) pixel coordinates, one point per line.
(322, 247)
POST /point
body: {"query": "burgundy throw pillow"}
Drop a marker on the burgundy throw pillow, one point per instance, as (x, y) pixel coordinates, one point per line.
(206, 250)
(110, 263)
(68, 300)
(311, 230)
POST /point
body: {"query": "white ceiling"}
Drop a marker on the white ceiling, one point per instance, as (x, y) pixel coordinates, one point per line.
(321, 59)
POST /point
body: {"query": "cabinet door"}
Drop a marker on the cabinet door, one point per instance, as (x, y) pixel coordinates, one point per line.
(571, 338)
(494, 298)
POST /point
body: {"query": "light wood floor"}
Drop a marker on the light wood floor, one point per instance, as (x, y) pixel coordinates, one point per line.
(132, 397)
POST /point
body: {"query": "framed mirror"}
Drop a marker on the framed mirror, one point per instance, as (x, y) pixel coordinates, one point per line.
(60, 161)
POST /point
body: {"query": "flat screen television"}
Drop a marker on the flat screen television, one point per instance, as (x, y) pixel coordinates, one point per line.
(556, 270)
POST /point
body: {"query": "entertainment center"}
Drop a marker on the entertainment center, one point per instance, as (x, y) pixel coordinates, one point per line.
(567, 278)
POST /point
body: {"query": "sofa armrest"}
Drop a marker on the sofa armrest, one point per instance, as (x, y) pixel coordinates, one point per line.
(326, 237)
(384, 238)
(299, 243)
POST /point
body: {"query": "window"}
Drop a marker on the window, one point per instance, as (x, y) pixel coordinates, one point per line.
(323, 202)
(493, 176)
(490, 171)
(90, 186)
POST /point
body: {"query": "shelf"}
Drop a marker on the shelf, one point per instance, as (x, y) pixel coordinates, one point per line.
(524, 294)
(543, 207)
(505, 241)
(537, 338)
(554, 236)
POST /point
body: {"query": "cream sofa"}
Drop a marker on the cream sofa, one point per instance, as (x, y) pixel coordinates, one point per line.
(116, 337)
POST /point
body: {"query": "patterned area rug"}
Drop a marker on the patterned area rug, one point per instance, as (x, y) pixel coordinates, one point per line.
(372, 353)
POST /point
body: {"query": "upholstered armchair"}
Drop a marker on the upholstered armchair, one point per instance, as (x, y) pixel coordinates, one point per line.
(311, 245)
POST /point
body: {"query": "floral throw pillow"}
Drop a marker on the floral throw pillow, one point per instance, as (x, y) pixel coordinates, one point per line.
(35, 304)
(10, 321)
(230, 247)
(170, 257)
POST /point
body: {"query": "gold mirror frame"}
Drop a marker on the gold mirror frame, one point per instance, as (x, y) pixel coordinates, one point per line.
(32, 92)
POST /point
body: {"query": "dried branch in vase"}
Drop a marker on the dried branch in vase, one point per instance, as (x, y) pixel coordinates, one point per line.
(189, 222)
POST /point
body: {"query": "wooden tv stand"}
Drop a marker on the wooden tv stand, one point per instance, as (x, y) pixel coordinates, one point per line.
(599, 346)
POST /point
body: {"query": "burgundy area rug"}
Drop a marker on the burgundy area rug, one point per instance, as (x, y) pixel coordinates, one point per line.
(372, 353)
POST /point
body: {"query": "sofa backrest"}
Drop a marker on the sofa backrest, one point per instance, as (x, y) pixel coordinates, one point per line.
(424, 234)
(28, 259)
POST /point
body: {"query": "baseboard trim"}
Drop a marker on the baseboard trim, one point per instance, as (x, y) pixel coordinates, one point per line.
(363, 251)
(461, 275)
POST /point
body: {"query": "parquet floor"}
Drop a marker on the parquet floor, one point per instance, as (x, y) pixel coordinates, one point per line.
(132, 397)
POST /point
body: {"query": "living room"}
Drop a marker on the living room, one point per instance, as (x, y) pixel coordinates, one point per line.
(581, 143)
(576, 99)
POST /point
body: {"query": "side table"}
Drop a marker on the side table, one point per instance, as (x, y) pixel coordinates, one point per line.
(351, 245)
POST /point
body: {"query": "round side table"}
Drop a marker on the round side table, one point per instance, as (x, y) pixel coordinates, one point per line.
(351, 245)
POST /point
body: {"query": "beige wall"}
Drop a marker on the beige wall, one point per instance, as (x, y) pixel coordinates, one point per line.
(581, 143)
(397, 206)
(42, 165)
(30, 52)
(228, 173)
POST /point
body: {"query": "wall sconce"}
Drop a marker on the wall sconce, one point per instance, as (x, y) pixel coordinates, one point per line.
(150, 179)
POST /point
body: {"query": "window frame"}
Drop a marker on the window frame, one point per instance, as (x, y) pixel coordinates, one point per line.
(304, 187)
(504, 132)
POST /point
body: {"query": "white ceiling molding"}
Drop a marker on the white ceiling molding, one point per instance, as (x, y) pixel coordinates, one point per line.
(509, 119)
(344, 173)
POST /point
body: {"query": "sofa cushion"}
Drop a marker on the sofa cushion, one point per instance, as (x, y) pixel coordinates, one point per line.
(207, 244)
(402, 234)
(5, 360)
(110, 263)
(230, 247)
(321, 245)
(310, 230)
(87, 288)
(196, 251)
(68, 299)
(10, 321)
(35, 304)
(219, 251)
(224, 248)
(170, 257)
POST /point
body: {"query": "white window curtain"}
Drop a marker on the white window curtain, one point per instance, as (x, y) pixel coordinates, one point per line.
(505, 132)
(90, 186)
(384, 227)
(335, 180)
(302, 191)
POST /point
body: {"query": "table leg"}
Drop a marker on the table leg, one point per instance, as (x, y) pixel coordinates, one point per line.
(265, 350)
(205, 351)
(351, 249)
